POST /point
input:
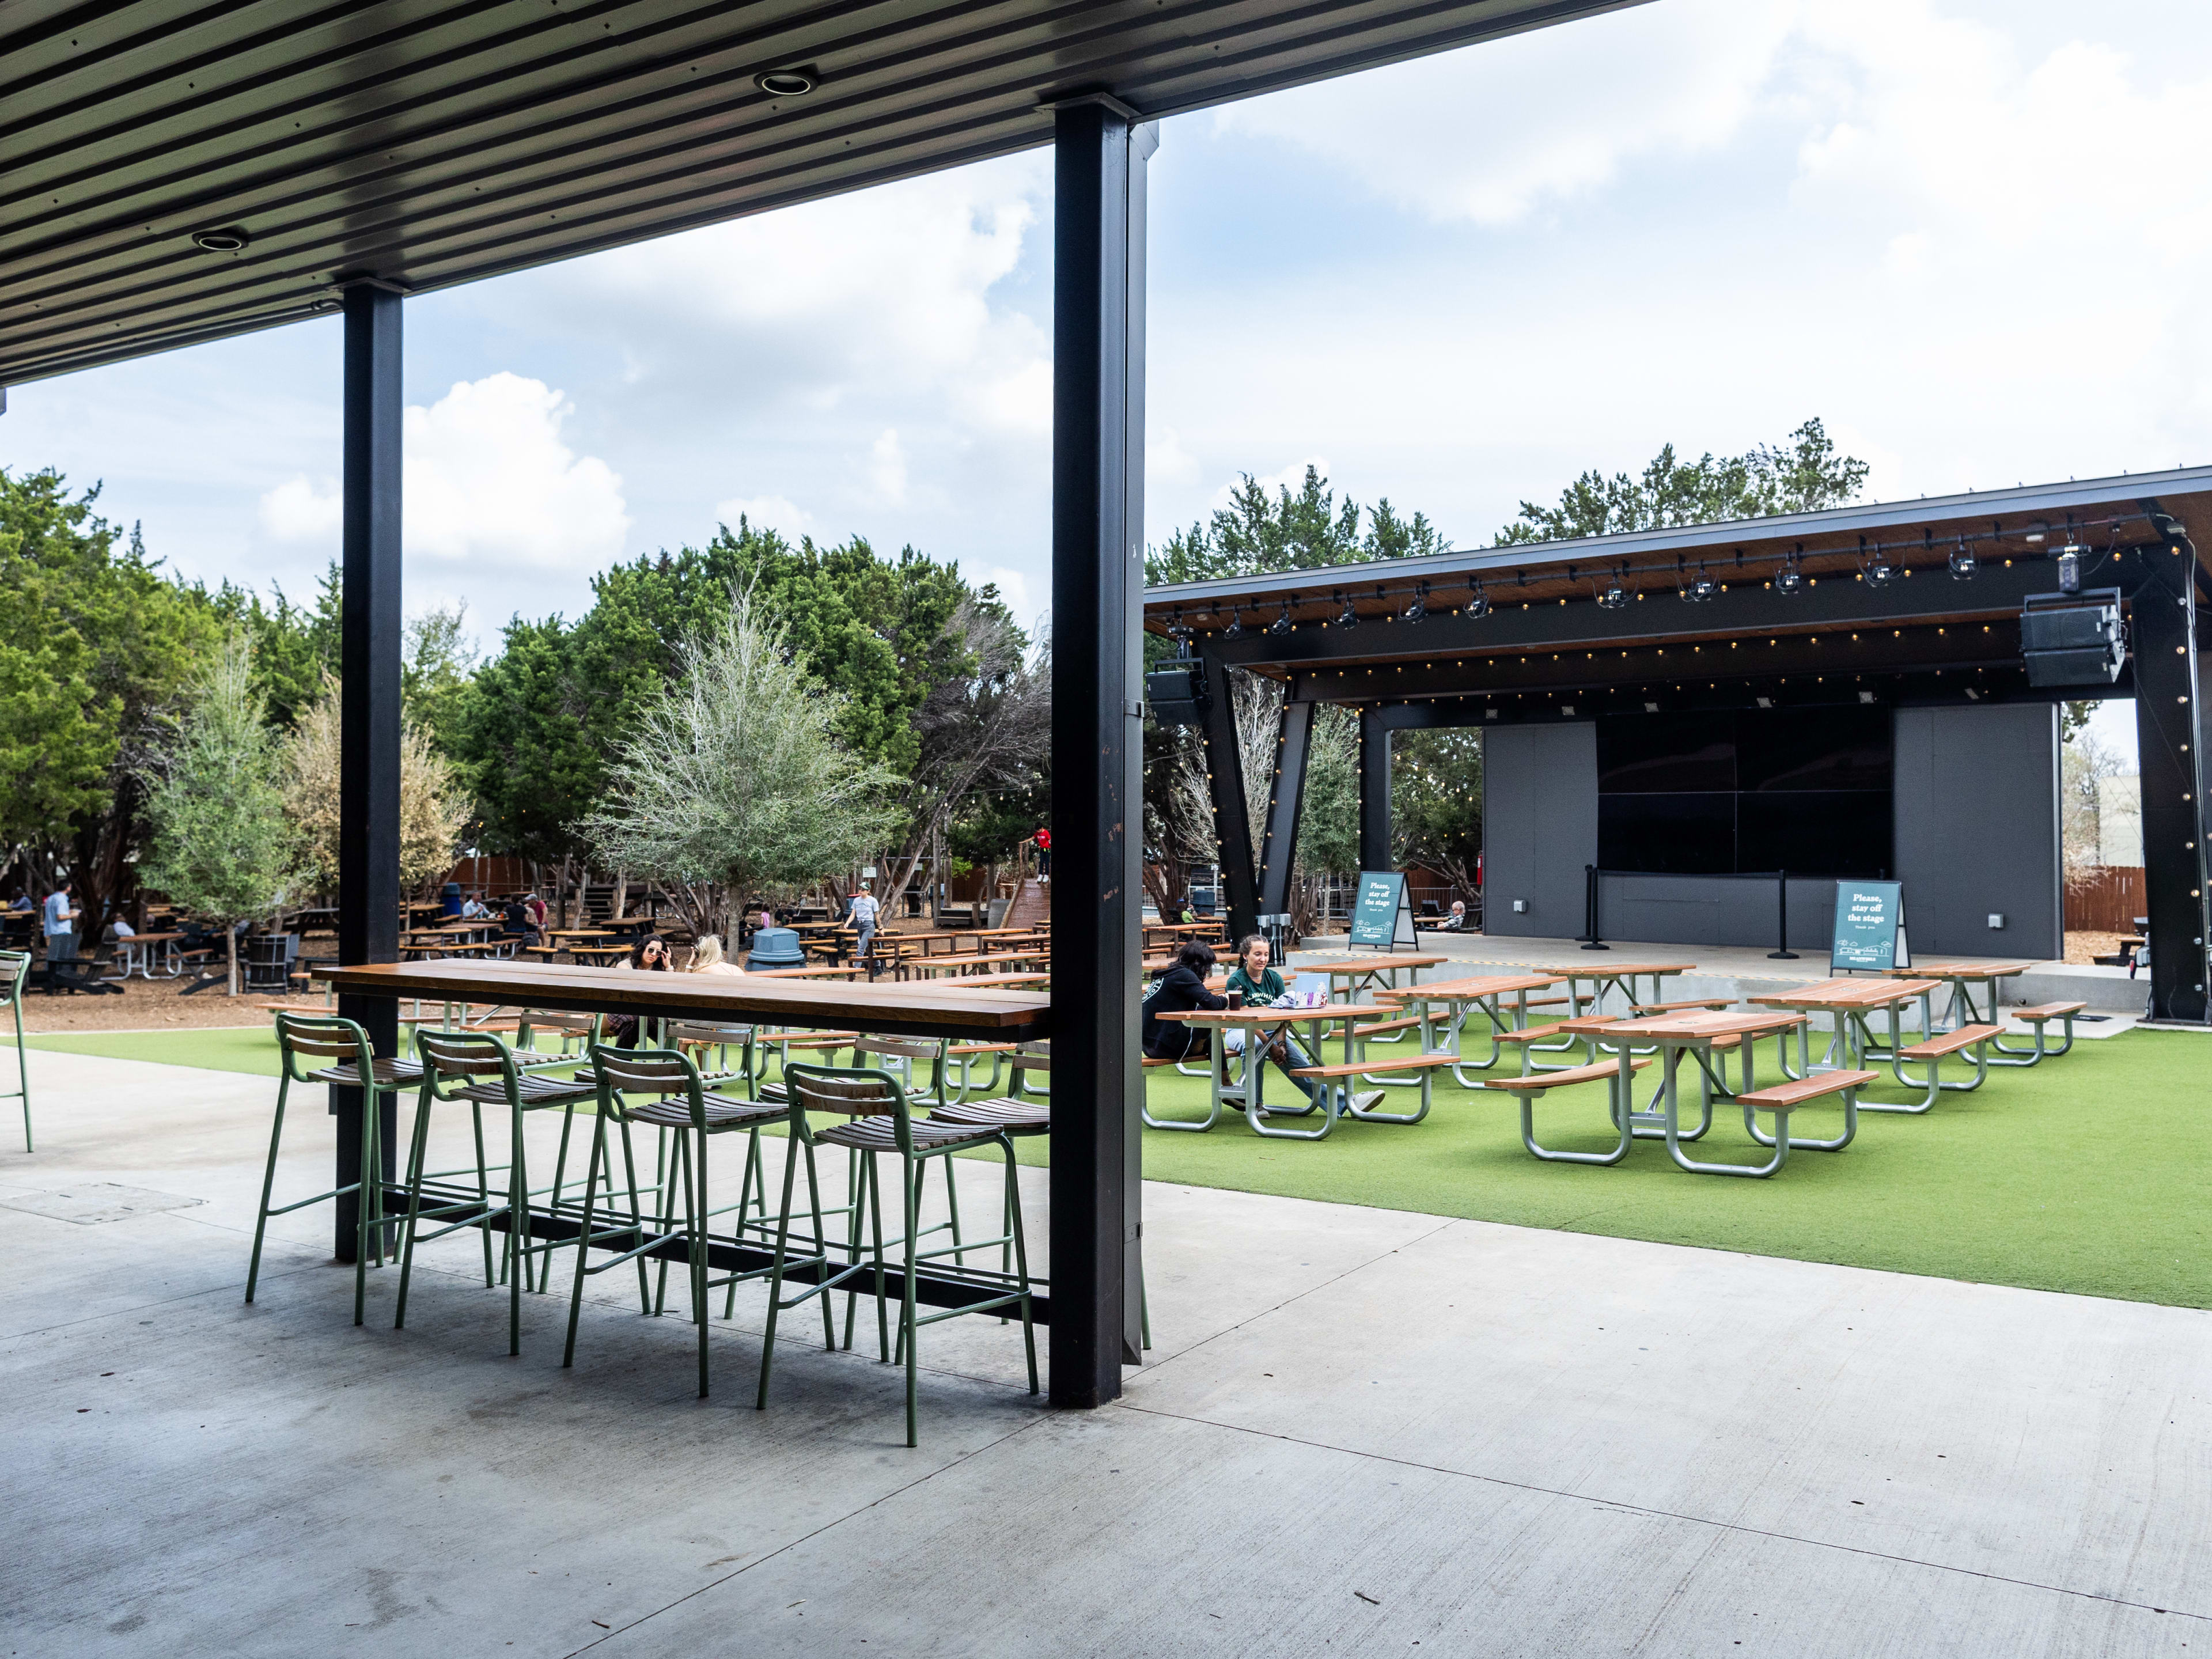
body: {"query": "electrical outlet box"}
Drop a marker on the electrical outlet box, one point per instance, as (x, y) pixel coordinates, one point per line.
(1997, 919)
(1520, 906)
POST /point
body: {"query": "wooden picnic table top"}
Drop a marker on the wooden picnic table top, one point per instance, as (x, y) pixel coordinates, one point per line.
(1262, 1014)
(149, 939)
(578, 932)
(1623, 970)
(906, 1010)
(1345, 966)
(1469, 990)
(1970, 970)
(812, 970)
(1847, 993)
(971, 982)
(1694, 1027)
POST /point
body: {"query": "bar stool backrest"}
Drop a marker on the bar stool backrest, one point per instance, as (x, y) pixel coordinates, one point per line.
(453, 1060)
(325, 1036)
(647, 1072)
(15, 967)
(847, 1093)
(700, 1031)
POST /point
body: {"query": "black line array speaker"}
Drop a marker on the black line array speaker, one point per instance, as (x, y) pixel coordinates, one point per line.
(1177, 692)
(2073, 639)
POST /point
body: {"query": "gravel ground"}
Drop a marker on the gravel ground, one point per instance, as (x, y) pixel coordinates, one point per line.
(143, 1007)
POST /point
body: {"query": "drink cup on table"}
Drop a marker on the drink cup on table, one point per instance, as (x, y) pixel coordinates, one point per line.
(1235, 1001)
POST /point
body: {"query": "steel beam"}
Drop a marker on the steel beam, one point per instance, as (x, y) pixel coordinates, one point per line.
(2170, 731)
(1286, 791)
(1098, 581)
(1373, 790)
(1225, 781)
(368, 709)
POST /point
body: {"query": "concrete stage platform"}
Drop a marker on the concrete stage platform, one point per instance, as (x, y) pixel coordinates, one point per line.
(1361, 1432)
(1740, 971)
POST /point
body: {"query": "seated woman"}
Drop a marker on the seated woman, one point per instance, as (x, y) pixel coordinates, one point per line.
(706, 957)
(649, 955)
(1182, 988)
(1263, 985)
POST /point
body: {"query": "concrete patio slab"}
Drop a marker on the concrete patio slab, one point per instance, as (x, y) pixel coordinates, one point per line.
(1360, 1431)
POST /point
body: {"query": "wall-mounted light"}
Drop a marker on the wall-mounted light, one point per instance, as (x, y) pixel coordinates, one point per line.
(224, 239)
(1477, 602)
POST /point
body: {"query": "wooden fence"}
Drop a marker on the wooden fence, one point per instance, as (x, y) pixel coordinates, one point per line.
(2105, 898)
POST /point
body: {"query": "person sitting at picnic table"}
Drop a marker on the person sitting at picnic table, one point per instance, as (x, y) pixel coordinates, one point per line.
(23, 902)
(862, 911)
(518, 925)
(537, 908)
(473, 909)
(649, 955)
(1263, 986)
(706, 957)
(1181, 989)
(1456, 921)
(120, 929)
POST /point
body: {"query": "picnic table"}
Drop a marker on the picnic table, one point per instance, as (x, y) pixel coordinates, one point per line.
(139, 951)
(1247, 1093)
(1850, 1002)
(1677, 1034)
(1367, 973)
(1621, 976)
(1460, 996)
(1960, 1009)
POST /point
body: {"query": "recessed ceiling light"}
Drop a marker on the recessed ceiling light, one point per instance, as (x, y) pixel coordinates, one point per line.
(226, 239)
(785, 83)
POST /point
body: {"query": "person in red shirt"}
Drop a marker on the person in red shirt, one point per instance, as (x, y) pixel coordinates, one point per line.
(1043, 839)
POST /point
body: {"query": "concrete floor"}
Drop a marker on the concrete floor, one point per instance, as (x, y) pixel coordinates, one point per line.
(1362, 1432)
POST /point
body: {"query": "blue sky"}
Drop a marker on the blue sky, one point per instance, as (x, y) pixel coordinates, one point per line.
(1973, 237)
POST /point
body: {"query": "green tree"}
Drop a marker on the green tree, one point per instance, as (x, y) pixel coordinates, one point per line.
(434, 671)
(294, 646)
(525, 747)
(1805, 477)
(733, 781)
(1435, 802)
(1258, 534)
(220, 841)
(86, 610)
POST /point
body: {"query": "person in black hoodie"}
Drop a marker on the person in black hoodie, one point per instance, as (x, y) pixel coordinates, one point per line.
(1182, 987)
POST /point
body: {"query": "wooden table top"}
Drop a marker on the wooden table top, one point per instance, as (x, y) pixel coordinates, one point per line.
(1622, 970)
(1848, 993)
(907, 1009)
(1972, 970)
(1263, 1015)
(1689, 1027)
(1343, 967)
(1466, 990)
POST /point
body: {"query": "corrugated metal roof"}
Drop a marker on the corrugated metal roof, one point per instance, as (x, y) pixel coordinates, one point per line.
(426, 142)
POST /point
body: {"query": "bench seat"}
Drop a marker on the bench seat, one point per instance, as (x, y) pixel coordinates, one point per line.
(1785, 1096)
(1383, 1025)
(1605, 1070)
(1950, 1043)
(2044, 1010)
(1360, 1067)
(1535, 1033)
(1719, 1005)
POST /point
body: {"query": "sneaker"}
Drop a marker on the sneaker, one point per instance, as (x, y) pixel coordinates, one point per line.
(1368, 1102)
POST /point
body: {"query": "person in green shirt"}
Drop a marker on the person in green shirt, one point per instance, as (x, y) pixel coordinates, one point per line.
(1261, 985)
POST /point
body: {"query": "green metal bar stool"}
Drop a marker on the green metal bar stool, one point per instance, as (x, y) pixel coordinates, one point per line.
(479, 1068)
(880, 1125)
(15, 968)
(698, 1116)
(358, 1067)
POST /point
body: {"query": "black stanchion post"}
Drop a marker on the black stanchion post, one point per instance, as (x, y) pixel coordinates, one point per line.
(1590, 907)
(1782, 952)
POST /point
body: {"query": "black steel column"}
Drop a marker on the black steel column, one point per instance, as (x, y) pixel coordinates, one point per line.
(1097, 590)
(1286, 792)
(1373, 790)
(2170, 731)
(1232, 817)
(368, 712)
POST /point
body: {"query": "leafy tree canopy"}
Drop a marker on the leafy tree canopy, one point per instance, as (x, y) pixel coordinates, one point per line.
(1804, 476)
(1258, 533)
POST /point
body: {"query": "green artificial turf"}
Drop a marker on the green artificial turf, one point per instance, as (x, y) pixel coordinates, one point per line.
(2085, 1174)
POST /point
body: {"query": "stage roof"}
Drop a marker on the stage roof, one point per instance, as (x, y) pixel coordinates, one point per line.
(426, 143)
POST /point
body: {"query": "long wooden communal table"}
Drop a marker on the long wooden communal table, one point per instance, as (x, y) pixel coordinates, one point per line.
(909, 1010)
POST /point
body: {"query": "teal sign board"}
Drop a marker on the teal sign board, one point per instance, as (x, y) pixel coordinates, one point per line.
(1377, 910)
(1869, 927)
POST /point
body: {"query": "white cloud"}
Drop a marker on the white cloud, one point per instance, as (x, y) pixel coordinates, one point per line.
(489, 479)
(1493, 133)
(789, 521)
(301, 510)
(887, 467)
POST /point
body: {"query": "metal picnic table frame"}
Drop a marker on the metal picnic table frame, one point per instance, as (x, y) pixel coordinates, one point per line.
(1958, 1008)
(1851, 1042)
(1249, 1093)
(1487, 994)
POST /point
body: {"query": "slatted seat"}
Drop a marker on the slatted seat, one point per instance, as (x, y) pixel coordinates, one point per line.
(1004, 1113)
(535, 1088)
(388, 1071)
(2003, 1054)
(878, 1134)
(720, 1111)
(1603, 1072)
(1950, 1043)
(1788, 1095)
(2044, 1010)
(1381, 1025)
(1358, 1067)
(1720, 1003)
(1538, 1033)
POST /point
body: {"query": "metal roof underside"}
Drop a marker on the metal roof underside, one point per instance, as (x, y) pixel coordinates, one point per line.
(426, 143)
